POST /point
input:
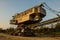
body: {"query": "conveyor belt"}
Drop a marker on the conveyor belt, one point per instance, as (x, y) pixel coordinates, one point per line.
(47, 22)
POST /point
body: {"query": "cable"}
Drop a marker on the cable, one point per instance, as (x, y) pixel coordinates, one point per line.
(54, 11)
(51, 8)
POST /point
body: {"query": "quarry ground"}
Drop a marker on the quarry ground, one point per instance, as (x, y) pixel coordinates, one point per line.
(9, 37)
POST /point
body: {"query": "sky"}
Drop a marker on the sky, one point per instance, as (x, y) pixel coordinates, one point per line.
(8, 8)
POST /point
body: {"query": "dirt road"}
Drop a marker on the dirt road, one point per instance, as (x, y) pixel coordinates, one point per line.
(8, 37)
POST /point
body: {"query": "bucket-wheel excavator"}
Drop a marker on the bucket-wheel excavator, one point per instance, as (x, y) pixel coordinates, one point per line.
(28, 20)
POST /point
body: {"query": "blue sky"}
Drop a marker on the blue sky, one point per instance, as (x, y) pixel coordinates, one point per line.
(10, 7)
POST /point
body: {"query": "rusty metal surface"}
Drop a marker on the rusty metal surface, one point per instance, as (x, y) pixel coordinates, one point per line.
(25, 15)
